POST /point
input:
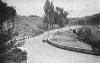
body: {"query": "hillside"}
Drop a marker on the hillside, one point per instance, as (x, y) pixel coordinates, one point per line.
(28, 20)
(87, 20)
(27, 25)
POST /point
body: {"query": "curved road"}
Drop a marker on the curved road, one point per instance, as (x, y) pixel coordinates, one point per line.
(40, 52)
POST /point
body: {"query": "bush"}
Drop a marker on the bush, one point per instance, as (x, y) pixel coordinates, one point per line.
(84, 34)
(90, 36)
(7, 14)
(14, 56)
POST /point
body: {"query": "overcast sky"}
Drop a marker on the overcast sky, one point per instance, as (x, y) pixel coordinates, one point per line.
(79, 8)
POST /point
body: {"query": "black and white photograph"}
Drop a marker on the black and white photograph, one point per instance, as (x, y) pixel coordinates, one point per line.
(49, 31)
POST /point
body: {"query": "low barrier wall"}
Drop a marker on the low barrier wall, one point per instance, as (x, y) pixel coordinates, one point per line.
(71, 48)
(24, 38)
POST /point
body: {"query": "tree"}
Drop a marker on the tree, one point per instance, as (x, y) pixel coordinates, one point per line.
(46, 10)
(61, 16)
(91, 36)
(49, 13)
(54, 16)
(7, 14)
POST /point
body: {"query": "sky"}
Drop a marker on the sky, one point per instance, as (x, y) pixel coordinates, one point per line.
(76, 8)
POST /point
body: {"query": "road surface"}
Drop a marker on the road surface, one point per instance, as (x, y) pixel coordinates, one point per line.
(40, 52)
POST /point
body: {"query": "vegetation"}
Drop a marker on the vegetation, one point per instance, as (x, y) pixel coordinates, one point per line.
(54, 16)
(26, 30)
(67, 39)
(13, 56)
(93, 20)
(7, 14)
(90, 35)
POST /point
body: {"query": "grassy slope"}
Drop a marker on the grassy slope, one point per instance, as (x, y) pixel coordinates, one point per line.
(28, 20)
(67, 38)
(28, 25)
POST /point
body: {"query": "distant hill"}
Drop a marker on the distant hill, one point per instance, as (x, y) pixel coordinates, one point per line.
(34, 16)
(87, 20)
(94, 19)
(28, 20)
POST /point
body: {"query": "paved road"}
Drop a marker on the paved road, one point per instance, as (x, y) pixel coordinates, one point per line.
(40, 52)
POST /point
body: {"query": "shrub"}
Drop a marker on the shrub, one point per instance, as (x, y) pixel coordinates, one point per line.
(14, 56)
(7, 14)
(90, 36)
(84, 33)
